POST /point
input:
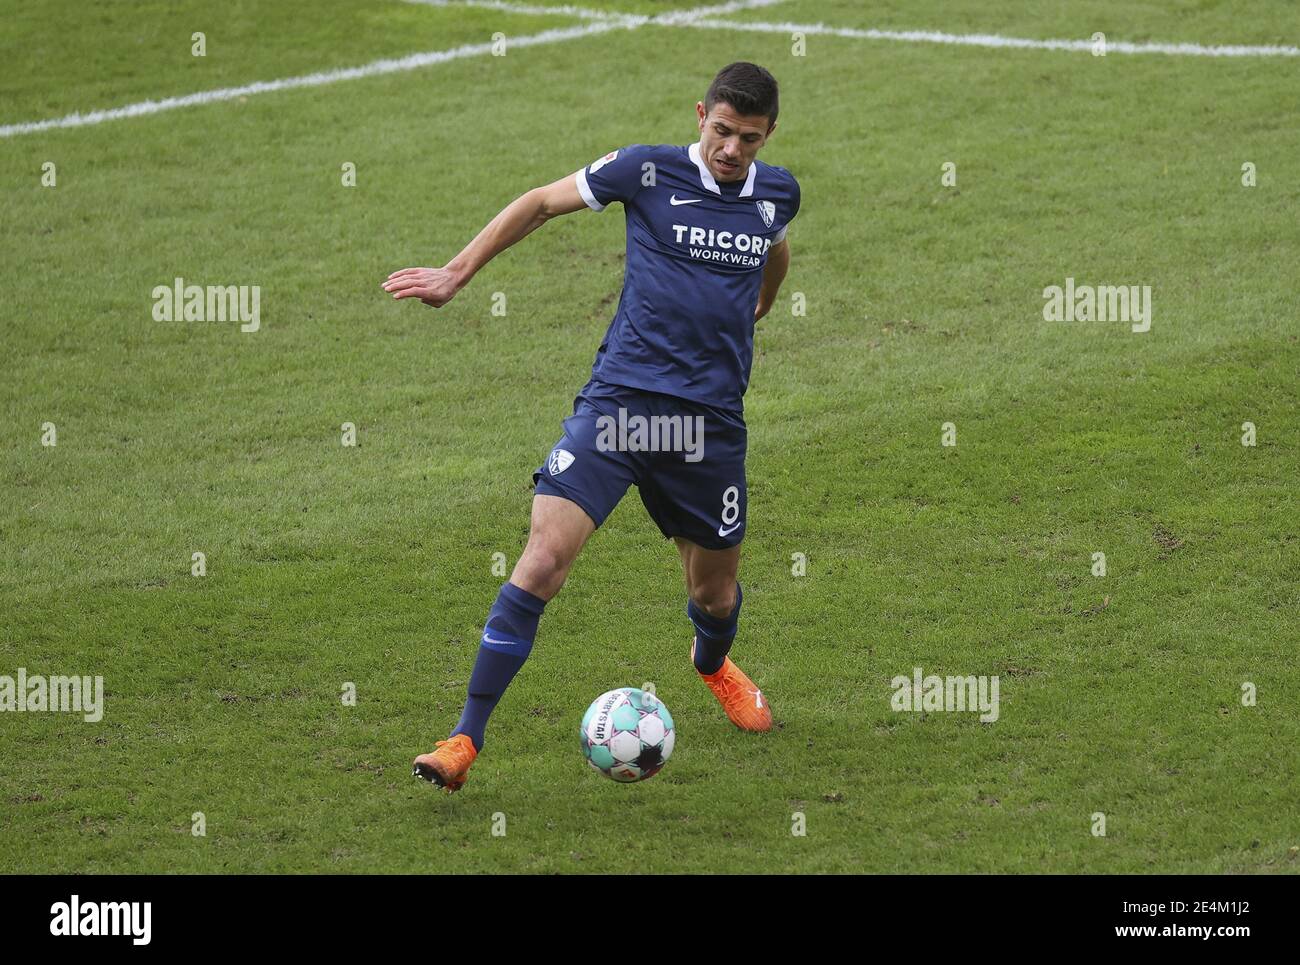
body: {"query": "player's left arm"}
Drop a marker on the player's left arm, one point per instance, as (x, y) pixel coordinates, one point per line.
(778, 263)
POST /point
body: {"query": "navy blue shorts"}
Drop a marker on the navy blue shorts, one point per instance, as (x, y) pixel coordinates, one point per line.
(686, 459)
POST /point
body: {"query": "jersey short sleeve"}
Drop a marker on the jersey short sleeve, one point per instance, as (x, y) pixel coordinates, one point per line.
(615, 177)
(795, 199)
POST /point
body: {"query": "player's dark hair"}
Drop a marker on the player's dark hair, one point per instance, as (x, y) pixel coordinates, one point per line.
(747, 88)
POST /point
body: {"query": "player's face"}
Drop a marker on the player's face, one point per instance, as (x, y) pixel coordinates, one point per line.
(729, 142)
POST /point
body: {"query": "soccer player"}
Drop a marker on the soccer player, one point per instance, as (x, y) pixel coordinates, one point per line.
(706, 255)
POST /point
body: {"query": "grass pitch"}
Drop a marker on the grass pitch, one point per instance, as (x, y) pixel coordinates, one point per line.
(372, 565)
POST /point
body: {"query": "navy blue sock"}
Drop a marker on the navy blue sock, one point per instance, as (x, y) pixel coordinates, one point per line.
(507, 641)
(713, 635)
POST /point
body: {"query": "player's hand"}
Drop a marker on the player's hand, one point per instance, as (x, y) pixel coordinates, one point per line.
(433, 286)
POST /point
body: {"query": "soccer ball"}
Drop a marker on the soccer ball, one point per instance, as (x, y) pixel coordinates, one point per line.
(627, 734)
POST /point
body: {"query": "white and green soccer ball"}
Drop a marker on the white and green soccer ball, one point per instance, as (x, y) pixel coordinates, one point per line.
(627, 734)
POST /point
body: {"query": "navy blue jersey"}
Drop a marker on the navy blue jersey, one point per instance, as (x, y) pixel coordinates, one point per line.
(696, 249)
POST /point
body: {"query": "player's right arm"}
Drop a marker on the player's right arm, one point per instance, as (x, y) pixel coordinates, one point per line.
(437, 286)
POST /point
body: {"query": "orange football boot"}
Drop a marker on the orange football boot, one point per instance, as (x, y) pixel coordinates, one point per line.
(744, 703)
(448, 765)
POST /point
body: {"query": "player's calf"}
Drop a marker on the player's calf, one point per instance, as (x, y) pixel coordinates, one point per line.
(713, 634)
(559, 529)
(742, 700)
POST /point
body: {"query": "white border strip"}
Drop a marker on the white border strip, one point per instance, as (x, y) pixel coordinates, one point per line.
(584, 189)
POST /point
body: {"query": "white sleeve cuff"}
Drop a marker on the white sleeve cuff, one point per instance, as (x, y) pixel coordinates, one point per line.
(584, 189)
(780, 235)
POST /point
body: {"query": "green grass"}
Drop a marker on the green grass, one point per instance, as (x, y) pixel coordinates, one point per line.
(372, 565)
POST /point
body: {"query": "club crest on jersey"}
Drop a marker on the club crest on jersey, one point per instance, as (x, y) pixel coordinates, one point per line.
(597, 165)
(768, 210)
(561, 459)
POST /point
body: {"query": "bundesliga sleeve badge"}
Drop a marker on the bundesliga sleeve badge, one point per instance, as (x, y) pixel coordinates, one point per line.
(597, 165)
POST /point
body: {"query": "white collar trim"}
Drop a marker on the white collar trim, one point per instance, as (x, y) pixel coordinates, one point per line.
(707, 179)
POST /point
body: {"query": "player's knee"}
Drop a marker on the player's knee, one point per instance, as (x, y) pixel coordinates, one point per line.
(551, 560)
(716, 599)
(544, 568)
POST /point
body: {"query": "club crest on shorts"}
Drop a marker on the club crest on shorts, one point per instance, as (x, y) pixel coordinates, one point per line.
(561, 459)
(768, 210)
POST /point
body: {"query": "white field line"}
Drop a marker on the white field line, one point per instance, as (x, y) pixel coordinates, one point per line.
(696, 18)
(586, 13)
(504, 6)
(685, 17)
(998, 41)
(601, 22)
(375, 68)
